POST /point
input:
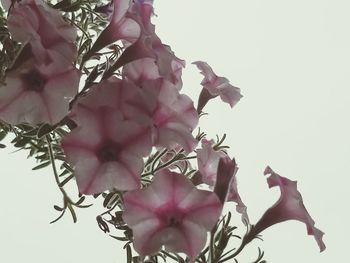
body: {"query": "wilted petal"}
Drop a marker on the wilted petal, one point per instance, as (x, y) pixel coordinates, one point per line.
(225, 173)
(234, 196)
(289, 206)
(214, 85)
(215, 168)
(208, 160)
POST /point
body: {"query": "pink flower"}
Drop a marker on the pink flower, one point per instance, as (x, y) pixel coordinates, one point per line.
(171, 212)
(214, 86)
(215, 168)
(149, 45)
(173, 115)
(36, 23)
(208, 160)
(289, 206)
(144, 69)
(38, 93)
(106, 148)
(121, 27)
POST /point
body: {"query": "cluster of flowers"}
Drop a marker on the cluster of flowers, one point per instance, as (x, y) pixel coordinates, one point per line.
(122, 118)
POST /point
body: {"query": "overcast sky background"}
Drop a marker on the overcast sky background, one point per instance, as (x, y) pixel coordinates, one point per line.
(291, 61)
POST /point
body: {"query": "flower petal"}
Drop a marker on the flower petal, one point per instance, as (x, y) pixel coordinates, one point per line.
(289, 206)
(214, 85)
(170, 212)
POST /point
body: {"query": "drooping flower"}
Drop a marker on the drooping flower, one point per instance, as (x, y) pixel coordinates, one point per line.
(171, 212)
(109, 143)
(214, 86)
(149, 45)
(35, 23)
(38, 93)
(216, 169)
(121, 27)
(289, 206)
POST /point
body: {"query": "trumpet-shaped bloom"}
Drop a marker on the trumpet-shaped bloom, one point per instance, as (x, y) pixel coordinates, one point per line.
(214, 86)
(215, 168)
(149, 45)
(105, 150)
(121, 27)
(171, 212)
(38, 93)
(107, 147)
(289, 206)
(36, 23)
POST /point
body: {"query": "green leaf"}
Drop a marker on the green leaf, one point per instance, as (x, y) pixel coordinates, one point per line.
(74, 216)
(128, 254)
(102, 224)
(31, 133)
(119, 238)
(92, 75)
(81, 200)
(56, 207)
(22, 142)
(2, 135)
(62, 4)
(86, 45)
(73, 7)
(44, 129)
(42, 165)
(110, 199)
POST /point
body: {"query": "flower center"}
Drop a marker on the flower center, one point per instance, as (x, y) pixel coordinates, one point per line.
(109, 152)
(174, 222)
(34, 80)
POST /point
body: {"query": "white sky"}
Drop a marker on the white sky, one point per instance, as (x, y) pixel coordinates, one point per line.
(291, 61)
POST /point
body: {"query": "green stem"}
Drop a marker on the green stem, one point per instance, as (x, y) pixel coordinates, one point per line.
(52, 160)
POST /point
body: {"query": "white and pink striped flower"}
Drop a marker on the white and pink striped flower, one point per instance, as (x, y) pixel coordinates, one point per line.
(172, 115)
(214, 86)
(289, 206)
(216, 169)
(107, 147)
(171, 212)
(37, 93)
(35, 23)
